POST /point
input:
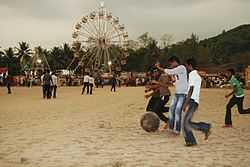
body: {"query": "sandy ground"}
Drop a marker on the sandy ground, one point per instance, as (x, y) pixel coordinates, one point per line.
(103, 131)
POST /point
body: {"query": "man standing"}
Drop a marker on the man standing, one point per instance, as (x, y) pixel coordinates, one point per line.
(8, 83)
(47, 80)
(91, 83)
(236, 99)
(113, 83)
(42, 84)
(54, 86)
(181, 83)
(85, 83)
(191, 104)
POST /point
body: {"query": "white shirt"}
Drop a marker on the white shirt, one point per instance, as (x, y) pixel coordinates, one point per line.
(195, 81)
(54, 80)
(86, 79)
(91, 80)
(42, 79)
(180, 74)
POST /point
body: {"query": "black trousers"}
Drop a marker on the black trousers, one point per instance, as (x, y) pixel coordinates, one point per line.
(54, 88)
(91, 88)
(44, 92)
(97, 84)
(157, 105)
(85, 85)
(113, 87)
(9, 88)
(47, 89)
(232, 102)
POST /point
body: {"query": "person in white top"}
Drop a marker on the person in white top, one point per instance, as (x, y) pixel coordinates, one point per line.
(42, 84)
(54, 84)
(181, 83)
(85, 83)
(191, 104)
(91, 83)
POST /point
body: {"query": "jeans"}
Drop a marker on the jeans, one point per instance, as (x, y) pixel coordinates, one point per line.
(113, 87)
(91, 88)
(54, 87)
(85, 85)
(157, 105)
(9, 88)
(188, 125)
(47, 89)
(176, 112)
(44, 91)
(235, 101)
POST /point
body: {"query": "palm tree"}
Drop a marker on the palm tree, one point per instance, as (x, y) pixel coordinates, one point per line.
(24, 54)
(39, 59)
(9, 53)
(67, 55)
(11, 61)
(56, 58)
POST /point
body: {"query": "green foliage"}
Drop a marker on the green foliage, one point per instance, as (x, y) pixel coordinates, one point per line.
(230, 47)
(24, 53)
(10, 61)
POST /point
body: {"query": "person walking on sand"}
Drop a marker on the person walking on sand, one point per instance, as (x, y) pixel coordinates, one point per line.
(8, 83)
(85, 83)
(43, 86)
(54, 85)
(181, 83)
(191, 105)
(237, 98)
(91, 83)
(159, 97)
(47, 80)
(113, 83)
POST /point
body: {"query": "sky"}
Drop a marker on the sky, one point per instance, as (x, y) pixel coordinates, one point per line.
(50, 22)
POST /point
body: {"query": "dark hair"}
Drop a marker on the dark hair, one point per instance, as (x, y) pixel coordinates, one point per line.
(192, 62)
(174, 59)
(231, 70)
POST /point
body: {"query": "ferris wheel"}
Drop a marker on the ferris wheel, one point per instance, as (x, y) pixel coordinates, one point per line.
(100, 42)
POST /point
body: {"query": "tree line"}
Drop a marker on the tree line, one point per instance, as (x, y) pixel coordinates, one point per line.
(230, 47)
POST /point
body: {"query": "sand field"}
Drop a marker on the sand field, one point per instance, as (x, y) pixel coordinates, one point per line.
(103, 130)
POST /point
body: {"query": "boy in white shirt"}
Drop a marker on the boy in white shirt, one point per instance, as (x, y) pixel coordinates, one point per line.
(181, 84)
(191, 104)
(54, 84)
(91, 83)
(85, 83)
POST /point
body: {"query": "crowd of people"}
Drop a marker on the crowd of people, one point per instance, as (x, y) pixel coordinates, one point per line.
(89, 83)
(185, 101)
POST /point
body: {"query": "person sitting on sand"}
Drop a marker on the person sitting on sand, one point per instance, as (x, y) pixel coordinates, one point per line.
(237, 98)
(191, 104)
(160, 95)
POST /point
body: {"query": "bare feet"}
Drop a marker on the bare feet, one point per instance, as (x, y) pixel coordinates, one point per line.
(165, 127)
(174, 134)
(227, 126)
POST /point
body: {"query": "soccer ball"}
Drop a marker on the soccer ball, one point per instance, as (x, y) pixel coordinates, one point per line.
(150, 122)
